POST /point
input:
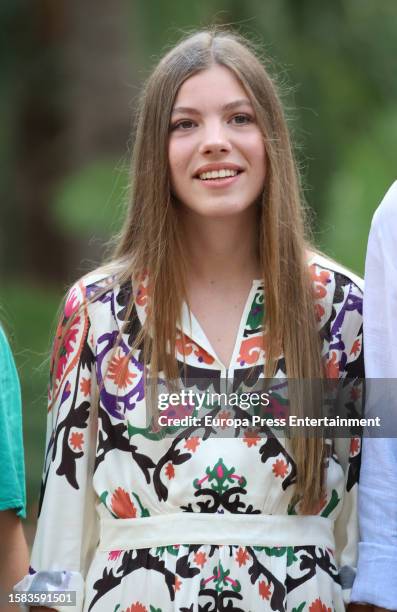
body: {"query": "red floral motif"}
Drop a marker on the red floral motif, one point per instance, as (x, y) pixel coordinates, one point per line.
(71, 335)
(264, 590)
(175, 412)
(280, 468)
(72, 303)
(169, 470)
(85, 386)
(355, 394)
(143, 292)
(114, 555)
(322, 502)
(319, 312)
(318, 606)
(251, 437)
(320, 280)
(279, 410)
(354, 446)
(118, 371)
(122, 505)
(62, 353)
(202, 355)
(250, 350)
(185, 346)
(137, 607)
(242, 556)
(332, 366)
(223, 415)
(356, 347)
(76, 440)
(200, 559)
(192, 443)
(177, 584)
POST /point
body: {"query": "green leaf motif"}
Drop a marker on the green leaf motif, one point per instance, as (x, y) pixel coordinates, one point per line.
(144, 511)
(291, 557)
(172, 550)
(255, 317)
(300, 607)
(147, 433)
(275, 552)
(333, 502)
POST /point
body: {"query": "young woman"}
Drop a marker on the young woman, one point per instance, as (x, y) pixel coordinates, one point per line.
(212, 281)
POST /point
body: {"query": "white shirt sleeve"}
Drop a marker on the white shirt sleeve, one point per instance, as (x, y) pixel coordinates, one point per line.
(376, 581)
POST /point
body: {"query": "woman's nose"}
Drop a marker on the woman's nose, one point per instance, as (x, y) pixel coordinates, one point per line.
(214, 140)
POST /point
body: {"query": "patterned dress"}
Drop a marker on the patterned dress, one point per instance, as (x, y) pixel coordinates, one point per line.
(133, 520)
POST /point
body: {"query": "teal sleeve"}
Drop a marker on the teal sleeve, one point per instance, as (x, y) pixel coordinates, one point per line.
(12, 468)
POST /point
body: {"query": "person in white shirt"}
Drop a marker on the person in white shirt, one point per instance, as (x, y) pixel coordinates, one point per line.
(376, 580)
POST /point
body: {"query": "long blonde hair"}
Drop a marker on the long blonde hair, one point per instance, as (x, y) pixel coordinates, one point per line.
(151, 241)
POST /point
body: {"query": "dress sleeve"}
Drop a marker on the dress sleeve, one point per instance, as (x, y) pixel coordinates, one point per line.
(347, 341)
(12, 474)
(67, 531)
(377, 562)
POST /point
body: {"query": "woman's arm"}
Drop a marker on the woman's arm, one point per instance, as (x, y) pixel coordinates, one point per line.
(15, 560)
(14, 551)
(66, 533)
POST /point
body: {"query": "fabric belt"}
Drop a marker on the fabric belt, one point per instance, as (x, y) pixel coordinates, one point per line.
(217, 529)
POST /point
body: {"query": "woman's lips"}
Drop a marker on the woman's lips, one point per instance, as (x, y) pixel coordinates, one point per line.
(219, 182)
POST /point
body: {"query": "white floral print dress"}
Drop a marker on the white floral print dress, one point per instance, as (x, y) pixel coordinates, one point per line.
(138, 522)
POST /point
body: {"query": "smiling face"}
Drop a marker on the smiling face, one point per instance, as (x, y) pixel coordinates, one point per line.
(216, 150)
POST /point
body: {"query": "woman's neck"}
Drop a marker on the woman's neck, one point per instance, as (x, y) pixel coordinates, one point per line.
(221, 250)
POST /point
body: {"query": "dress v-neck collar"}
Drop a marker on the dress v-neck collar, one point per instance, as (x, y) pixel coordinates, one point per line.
(191, 327)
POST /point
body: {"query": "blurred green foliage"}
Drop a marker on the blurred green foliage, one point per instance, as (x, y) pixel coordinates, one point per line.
(90, 201)
(354, 191)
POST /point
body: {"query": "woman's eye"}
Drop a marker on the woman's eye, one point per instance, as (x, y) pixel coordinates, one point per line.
(241, 119)
(186, 124)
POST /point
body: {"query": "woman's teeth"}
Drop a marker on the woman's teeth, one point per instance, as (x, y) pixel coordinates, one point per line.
(214, 174)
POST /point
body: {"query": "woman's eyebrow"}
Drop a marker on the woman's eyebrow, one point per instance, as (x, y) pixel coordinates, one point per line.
(226, 107)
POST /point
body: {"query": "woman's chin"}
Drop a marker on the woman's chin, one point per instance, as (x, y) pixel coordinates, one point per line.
(218, 210)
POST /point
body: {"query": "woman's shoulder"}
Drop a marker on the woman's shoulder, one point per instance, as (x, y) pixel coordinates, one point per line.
(338, 295)
(386, 213)
(89, 300)
(98, 286)
(9, 382)
(382, 238)
(5, 350)
(325, 268)
(108, 293)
